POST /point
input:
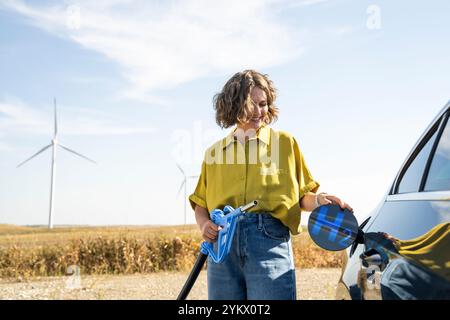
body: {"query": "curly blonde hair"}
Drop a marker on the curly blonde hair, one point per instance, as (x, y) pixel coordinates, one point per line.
(234, 104)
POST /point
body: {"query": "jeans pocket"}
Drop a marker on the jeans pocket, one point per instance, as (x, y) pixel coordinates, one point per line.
(275, 229)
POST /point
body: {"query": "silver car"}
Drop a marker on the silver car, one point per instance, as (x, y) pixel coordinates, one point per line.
(411, 260)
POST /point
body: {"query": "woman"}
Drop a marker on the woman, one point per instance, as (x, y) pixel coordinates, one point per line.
(254, 162)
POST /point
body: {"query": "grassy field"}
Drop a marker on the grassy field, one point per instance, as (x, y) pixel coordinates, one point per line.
(37, 251)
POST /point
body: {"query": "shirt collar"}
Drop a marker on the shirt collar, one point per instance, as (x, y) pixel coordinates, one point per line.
(263, 134)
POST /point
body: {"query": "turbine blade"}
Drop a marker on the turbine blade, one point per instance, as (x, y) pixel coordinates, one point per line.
(180, 168)
(78, 154)
(56, 123)
(181, 187)
(34, 155)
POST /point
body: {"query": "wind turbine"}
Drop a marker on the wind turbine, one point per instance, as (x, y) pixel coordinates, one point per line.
(54, 143)
(185, 190)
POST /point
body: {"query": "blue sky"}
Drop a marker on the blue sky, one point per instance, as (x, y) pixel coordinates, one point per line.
(134, 81)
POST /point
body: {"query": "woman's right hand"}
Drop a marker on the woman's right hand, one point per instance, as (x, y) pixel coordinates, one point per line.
(209, 231)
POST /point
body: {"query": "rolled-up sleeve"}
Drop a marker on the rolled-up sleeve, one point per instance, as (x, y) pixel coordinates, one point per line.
(304, 177)
(199, 195)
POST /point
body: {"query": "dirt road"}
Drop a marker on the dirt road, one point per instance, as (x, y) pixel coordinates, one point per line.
(311, 284)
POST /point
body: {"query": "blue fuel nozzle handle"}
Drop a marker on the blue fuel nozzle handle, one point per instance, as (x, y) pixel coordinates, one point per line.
(227, 220)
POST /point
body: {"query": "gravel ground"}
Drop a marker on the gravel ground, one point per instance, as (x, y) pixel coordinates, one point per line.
(311, 284)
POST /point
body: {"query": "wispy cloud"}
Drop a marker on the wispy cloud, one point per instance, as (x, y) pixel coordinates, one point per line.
(5, 147)
(159, 45)
(17, 117)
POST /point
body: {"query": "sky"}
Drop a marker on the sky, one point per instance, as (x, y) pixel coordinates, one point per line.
(358, 82)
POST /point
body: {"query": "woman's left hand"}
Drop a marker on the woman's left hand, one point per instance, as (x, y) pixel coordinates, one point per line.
(331, 199)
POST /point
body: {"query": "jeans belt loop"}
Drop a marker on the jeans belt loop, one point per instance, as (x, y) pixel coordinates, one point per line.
(260, 221)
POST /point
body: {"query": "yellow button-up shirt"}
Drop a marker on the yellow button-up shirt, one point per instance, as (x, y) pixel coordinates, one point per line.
(269, 168)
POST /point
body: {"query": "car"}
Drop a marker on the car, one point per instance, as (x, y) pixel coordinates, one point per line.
(410, 259)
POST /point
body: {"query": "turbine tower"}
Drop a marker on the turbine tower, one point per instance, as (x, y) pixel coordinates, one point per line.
(185, 190)
(54, 143)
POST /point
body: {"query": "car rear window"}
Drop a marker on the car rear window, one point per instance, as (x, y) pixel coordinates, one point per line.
(411, 179)
(439, 174)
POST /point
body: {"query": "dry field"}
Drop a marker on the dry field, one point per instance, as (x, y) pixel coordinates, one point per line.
(132, 262)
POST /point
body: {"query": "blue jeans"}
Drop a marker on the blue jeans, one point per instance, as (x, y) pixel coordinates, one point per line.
(260, 265)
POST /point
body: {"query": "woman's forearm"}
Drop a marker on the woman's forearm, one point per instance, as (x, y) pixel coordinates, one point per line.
(308, 202)
(201, 215)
